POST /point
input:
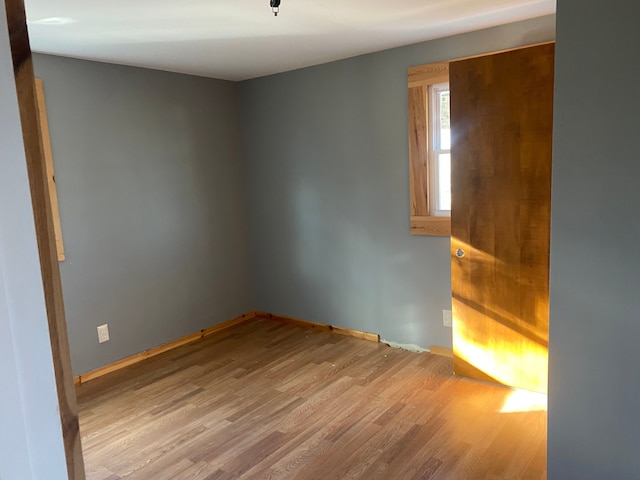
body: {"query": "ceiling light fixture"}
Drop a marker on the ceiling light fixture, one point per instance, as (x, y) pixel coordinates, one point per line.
(275, 7)
(53, 21)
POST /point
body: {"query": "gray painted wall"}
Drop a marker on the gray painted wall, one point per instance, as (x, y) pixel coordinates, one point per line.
(31, 446)
(327, 164)
(152, 201)
(594, 420)
(353, 186)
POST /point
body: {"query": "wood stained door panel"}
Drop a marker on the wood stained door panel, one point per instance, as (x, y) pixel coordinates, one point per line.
(502, 113)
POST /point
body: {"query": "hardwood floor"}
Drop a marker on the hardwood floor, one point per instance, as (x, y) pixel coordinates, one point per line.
(268, 400)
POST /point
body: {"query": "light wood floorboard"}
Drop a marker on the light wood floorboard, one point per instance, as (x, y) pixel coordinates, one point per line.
(268, 400)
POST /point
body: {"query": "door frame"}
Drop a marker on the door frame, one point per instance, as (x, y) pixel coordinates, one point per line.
(45, 236)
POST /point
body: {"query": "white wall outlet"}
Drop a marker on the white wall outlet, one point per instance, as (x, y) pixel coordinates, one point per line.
(103, 333)
(446, 318)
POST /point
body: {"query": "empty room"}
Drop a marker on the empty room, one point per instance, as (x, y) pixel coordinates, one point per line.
(302, 240)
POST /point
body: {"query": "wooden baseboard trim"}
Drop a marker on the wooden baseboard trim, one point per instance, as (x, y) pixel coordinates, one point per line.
(372, 337)
(442, 351)
(152, 352)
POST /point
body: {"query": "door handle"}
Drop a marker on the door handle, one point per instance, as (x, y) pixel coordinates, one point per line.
(460, 253)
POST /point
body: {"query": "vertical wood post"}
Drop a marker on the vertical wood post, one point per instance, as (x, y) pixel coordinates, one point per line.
(25, 87)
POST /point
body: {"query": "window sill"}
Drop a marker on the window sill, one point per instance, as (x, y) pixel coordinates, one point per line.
(431, 226)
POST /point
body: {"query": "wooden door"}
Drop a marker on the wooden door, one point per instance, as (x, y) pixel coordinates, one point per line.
(501, 115)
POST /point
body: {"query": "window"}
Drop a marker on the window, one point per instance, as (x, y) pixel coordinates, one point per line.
(430, 149)
(440, 150)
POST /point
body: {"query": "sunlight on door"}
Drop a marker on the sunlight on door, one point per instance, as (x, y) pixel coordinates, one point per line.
(497, 344)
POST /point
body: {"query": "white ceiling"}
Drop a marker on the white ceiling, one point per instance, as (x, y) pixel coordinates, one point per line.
(240, 39)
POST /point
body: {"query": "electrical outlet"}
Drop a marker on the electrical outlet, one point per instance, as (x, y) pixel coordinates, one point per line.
(103, 333)
(446, 318)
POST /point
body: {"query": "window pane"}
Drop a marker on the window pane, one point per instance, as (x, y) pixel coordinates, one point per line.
(445, 139)
(444, 181)
(445, 122)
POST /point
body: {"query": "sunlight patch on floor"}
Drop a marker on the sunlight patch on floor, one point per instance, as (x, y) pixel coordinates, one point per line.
(525, 401)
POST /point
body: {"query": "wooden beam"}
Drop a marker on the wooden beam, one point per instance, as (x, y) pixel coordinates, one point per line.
(418, 151)
(372, 337)
(43, 123)
(430, 225)
(428, 74)
(152, 352)
(25, 87)
(442, 351)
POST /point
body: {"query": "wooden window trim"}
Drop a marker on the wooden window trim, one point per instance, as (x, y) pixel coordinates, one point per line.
(419, 79)
(45, 138)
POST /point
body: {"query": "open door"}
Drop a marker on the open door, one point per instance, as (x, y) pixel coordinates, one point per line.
(501, 116)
